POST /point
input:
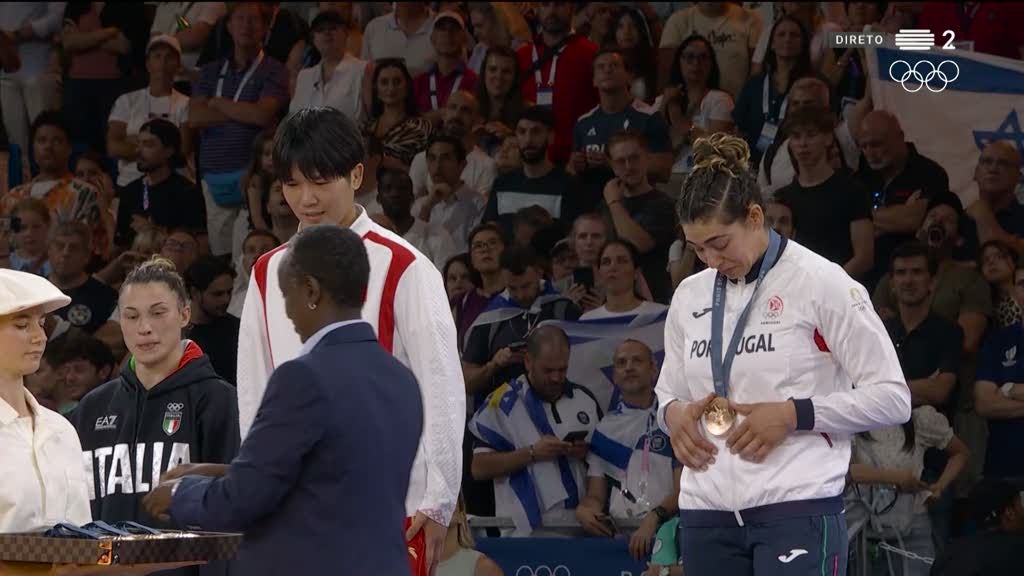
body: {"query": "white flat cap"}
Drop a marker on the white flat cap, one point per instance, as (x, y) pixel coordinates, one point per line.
(20, 291)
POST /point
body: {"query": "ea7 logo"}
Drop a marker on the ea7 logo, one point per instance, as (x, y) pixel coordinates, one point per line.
(106, 422)
(1011, 357)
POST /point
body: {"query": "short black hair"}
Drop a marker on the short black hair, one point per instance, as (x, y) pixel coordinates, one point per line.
(516, 259)
(818, 118)
(914, 249)
(321, 142)
(626, 245)
(84, 347)
(627, 63)
(166, 132)
(544, 336)
(947, 198)
(337, 258)
(486, 227)
(205, 270)
(540, 115)
(456, 143)
(50, 118)
(627, 135)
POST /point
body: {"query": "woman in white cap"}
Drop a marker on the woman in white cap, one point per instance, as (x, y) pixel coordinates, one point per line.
(42, 481)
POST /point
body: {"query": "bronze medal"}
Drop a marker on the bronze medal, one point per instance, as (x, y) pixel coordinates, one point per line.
(719, 417)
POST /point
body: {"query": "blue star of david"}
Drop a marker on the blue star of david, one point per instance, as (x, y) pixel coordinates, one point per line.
(1009, 130)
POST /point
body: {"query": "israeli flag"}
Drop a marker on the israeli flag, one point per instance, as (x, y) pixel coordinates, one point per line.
(593, 344)
(951, 103)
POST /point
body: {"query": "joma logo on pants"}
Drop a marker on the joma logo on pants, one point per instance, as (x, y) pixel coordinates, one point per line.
(748, 345)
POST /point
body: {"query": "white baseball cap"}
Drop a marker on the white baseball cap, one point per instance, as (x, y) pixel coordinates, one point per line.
(164, 39)
(448, 14)
(20, 291)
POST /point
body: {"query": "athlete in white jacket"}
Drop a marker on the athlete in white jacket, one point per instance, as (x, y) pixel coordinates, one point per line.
(812, 367)
(318, 154)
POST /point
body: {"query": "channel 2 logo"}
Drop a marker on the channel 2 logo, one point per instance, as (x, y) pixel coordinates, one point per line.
(923, 73)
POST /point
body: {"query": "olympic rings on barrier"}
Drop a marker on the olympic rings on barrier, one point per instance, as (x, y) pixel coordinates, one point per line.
(919, 80)
(559, 570)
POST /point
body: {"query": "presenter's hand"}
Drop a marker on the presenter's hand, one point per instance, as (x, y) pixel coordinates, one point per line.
(181, 470)
(765, 426)
(688, 442)
(590, 521)
(642, 541)
(158, 501)
(434, 534)
(909, 482)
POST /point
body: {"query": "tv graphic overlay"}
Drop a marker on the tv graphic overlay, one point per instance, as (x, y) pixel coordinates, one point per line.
(923, 73)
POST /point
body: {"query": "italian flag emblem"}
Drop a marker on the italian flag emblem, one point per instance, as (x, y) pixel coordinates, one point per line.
(172, 418)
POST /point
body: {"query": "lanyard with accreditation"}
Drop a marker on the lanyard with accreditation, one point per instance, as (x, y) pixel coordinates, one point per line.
(771, 126)
(245, 79)
(719, 418)
(546, 92)
(433, 88)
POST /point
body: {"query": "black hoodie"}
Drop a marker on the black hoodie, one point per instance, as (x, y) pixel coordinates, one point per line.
(190, 416)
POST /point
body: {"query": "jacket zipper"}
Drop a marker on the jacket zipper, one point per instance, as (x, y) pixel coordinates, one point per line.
(133, 448)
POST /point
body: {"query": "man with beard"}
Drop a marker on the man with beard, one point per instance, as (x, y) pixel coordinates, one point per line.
(461, 117)
(449, 73)
(394, 193)
(209, 281)
(556, 72)
(162, 197)
(539, 181)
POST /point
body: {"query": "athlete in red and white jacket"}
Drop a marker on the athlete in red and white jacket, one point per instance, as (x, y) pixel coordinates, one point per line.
(405, 303)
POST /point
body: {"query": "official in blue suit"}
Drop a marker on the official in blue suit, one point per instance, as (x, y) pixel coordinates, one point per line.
(319, 483)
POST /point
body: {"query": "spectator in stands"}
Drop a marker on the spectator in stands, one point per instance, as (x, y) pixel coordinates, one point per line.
(497, 92)
(394, 193)
(693, 104)
(777, 166)
(732, 29)
(167, 403)
(901, 183)
(999, 399)
(810, 17)
(133, 109)
(458, 276)
(631, 461)
(486, 244)
(563, 261)
(494, 26)
(594, 20)
(92, 302)
(895, 456)
(522, 441)
(631, 34)
(845, 69)
(257, 179)
(527, 223)
(30, 226)
(337, 81)
(181, 247)
(590, 231)
(460, 557)
(84, 364)
(161, 196)
(237, 96)
(539, 182)
(960, 293)
(256, 244)
(393, 122)
(780, 218)
(640, 213)
(68, 198)
(996, 261)
(283, 221)
(403, 33)
(209, 281)
(618, 110)
(998, 212)
(998, 510)
(761, 107)
(29, 88)
(987, 26)
(556, 72)
(450, 73)
(190, 23)
(450, 202)
(621, 281)
(91, 168)
(461, 119)
(834, 209)
(103, 42)
(494, 344)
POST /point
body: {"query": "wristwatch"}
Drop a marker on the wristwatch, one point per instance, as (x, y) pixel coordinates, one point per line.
(1006, 389)
(663, 514)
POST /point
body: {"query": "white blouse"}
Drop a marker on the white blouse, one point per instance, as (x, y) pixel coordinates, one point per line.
(42, 479)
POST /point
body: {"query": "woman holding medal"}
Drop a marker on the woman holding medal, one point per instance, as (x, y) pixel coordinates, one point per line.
(774, 358)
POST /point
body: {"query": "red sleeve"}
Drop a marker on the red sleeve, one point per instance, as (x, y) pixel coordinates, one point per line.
(421, 92)
(528, 86)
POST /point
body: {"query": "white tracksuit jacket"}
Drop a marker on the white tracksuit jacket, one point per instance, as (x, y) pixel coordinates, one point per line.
(811, 333)
(407, 306)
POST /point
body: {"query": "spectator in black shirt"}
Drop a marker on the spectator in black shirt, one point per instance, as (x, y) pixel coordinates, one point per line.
(997, 212)
(539, 181)
(92, 302)
(900, 182)
(780, 218)
(162, 197)
(998, 509)
(833, 209)
(210, 281)
(640, 213)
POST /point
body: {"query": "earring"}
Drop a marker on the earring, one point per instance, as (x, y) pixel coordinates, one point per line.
(311, 305)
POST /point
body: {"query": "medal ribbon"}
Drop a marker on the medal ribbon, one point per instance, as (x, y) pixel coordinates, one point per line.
(720, 367)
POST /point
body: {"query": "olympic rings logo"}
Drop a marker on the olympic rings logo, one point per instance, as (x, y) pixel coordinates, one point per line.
(175, 407)
(913, 80)
(559, 570)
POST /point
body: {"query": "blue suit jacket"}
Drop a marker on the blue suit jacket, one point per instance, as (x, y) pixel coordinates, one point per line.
(319, 483)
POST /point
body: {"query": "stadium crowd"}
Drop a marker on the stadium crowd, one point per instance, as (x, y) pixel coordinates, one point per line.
(534, 151)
